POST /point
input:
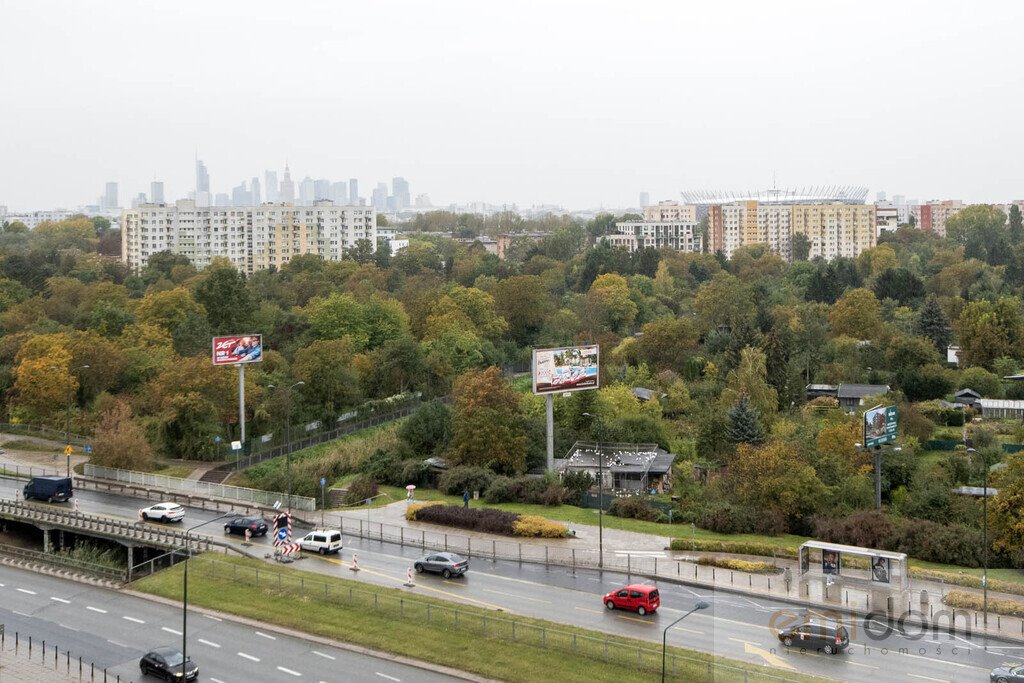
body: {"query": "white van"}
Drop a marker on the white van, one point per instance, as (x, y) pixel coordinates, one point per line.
(322, 541)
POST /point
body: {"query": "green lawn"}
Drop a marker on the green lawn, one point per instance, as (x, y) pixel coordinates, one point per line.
(27, 445)
(486, 642)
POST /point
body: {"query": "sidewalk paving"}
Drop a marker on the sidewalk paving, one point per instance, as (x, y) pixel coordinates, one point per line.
(16, 666)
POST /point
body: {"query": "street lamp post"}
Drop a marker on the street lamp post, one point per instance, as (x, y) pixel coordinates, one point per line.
(600, 502)
(664, 635)
(288, 440)
(67, 418)
(184, 595)
(984, 535)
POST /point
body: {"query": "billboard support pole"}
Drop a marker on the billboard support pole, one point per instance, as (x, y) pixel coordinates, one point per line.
(241, 403)
(878, 478)
(550, 409)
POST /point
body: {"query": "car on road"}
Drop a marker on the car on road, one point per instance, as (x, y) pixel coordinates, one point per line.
(639, 597)
(1007, 674)
(829, 639)
(238, 525)
(167, 663)
(164, 512)
(50, 489)
(445, 564)
(322, 541)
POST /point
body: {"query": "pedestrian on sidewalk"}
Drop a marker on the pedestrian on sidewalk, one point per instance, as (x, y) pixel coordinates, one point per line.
(465, 498)
(787, 576)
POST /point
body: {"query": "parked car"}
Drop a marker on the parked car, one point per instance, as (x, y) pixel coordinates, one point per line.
(322, 541)
(1007, 674)
(445, 564)
(238, 525)
(166, 662)
(830, 639)
(164, 512)
(639, 597)
(49, 489)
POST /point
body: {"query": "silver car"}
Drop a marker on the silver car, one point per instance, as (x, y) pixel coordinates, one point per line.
(445, 564)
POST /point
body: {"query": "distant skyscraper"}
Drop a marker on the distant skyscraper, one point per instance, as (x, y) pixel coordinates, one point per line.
(287, 193)
(254, 191)
(139, 200)
(645, 199)
(110, 200)
(270, 182)
(379, 199)
(400, 190)
(339, 193)
(307, 191)
(880, 196)
(156, 192)
(202, 177)
(353, 192)
(240, 196)
(222, 199)
(322, 189)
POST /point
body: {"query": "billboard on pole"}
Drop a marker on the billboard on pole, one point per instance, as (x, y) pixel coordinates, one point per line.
(572, 368)
(242, 348)
(880, 426)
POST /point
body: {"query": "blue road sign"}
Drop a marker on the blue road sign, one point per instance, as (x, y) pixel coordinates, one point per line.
(216, 439)
(88, 448)
(323, 482)
(282, 534)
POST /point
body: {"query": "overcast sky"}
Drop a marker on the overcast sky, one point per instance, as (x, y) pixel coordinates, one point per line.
(582, 104)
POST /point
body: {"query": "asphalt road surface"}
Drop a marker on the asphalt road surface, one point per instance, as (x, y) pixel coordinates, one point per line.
(734, 626)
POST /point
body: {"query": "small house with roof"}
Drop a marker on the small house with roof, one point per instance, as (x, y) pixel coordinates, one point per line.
(967, 397)
(851, 396)
(627, 468)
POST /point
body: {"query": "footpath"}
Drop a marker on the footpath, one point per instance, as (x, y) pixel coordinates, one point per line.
(17, 666)
(648, 555)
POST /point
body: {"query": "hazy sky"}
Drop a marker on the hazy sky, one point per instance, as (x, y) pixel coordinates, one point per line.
(583, 104)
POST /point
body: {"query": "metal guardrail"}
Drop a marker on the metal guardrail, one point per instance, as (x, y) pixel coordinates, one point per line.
(199, 488)
(485, 624)
(64, 560)
(48, 433)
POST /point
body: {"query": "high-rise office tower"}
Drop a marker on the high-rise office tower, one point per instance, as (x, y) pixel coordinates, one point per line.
(254, 191)
(110, 200)
(202, 177)
(270, 183)
(240, 196)
(307, 191)
(221, 199)
(287, 193)
(139, 200)
(880, 196)
(353, 192)
(156, 192)
(379, 198)
(322, 189)
(339, 193)
(645, 199)
(400, 190)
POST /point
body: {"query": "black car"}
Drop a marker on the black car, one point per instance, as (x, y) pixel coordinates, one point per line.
(166, 663)
(829, 639)
(445, 564)
(238, 525)
(1007, 674)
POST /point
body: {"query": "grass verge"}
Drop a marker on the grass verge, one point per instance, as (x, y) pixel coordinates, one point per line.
(485, 642)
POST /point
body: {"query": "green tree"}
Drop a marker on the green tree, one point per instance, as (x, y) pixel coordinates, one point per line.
(750, 379)
(800, 246)
(325, 367)
(524, 302)
(933, 323)
(609, 303)
(428, 430)
(667, 344)
(336, 316)
(981, 380)
(987, 330)
(170, 308)
(770, 479)
(744, 423)
(222, 292)
(898, 284)
(488, 427)
(1015, 231)
(980, 229)
(856, 314)
(121, 442)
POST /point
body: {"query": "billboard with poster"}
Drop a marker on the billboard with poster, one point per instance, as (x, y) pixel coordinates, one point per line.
(572, 368)
(242, 348)
(880, 426)
(830, 561)
(880, 569)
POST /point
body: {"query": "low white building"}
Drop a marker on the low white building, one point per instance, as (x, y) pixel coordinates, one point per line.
(675, 235)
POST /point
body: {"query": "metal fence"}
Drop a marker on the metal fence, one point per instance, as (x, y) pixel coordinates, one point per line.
(64, 560)
(199, 488)
(482, 623)
(12, 469)
(48, 433)
(52, 658)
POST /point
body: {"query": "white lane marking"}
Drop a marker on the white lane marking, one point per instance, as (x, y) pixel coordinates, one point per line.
(216, 680)
(249, 657)
(214, 618)
(134, 620)
(264, 635)
(390, 678)
(206, 642)
(288, 671)
(25, 590)
(1003, 647)
(96, 609)
(114, 642)
(66, 602)
(22, 614)
(1, 585)
(321, 654)
(70, 628)
(170, 630)
(642, 553)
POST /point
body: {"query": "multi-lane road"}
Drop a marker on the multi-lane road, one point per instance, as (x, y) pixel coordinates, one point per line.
(734, 626)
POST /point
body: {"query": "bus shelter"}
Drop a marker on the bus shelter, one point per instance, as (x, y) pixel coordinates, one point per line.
(853, 576)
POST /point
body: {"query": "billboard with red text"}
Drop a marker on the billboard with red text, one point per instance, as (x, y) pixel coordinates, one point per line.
(243, 348)
(567, 369)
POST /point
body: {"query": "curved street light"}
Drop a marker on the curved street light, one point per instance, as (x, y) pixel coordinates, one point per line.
(664, 635)
(600, 501)
(184, 594)
(67, 417)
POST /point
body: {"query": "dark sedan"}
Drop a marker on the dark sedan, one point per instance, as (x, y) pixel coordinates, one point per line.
(445, 564)
(167, 663)
(238, 525)
(1007, 674)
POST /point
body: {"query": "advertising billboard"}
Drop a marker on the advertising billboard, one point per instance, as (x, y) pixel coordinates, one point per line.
(571, 368)
(247, 348)
(880, 426)
(880, 569)
(830, 561)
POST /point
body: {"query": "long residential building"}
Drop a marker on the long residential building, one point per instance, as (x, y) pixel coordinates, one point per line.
(932, 216)
(833, 229)
(677, 235)
(252, 238)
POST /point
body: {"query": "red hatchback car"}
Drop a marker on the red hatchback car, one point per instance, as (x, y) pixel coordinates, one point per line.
(638, 597)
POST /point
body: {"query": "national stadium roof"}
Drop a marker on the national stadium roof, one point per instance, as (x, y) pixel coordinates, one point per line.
(849, 194)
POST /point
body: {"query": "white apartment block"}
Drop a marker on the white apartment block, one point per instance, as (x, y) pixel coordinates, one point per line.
(887, 217)
(676, 235)
(834, 229)
(252, 238)
(671, 212)
(32, 219)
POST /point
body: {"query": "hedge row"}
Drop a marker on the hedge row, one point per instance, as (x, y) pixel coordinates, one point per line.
(739, 565)
(486, 520)
(738, 547)
(964, 600)
(536, 526)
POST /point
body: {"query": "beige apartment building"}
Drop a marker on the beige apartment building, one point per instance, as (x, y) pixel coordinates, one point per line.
(252, 238)
(671, 212)
(932, 216)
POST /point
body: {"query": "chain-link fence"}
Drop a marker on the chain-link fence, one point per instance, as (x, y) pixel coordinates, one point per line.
(484, 624)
